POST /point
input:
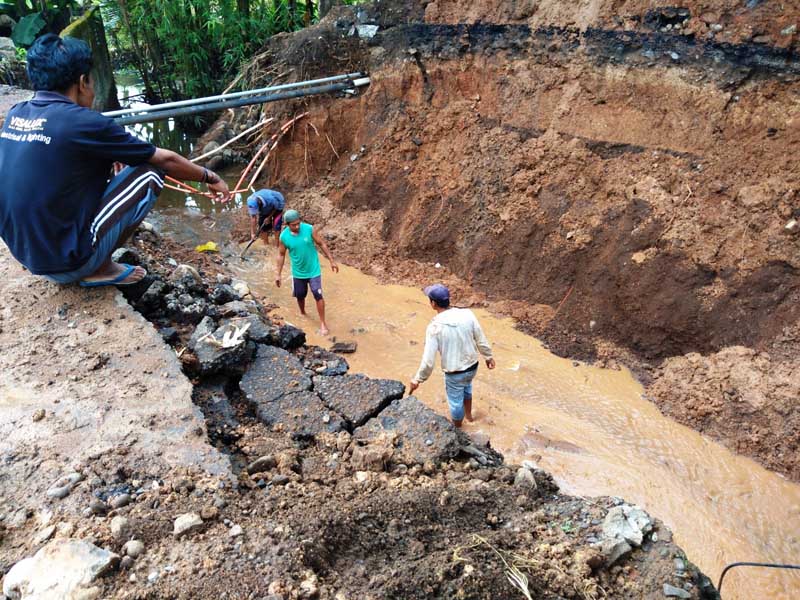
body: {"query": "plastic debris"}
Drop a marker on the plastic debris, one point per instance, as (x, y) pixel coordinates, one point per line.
(207, 247)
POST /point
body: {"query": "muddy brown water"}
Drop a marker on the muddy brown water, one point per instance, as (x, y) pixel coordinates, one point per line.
(590, 427)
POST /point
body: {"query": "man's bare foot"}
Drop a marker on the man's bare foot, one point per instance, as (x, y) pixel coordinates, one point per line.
(114, 270)
(469, 417)
(323, 331)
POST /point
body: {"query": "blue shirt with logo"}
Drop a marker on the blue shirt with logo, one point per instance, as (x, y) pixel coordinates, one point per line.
(55, 163)
(264, 202)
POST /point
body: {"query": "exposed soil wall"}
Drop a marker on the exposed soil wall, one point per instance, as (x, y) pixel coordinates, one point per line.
(610, 172)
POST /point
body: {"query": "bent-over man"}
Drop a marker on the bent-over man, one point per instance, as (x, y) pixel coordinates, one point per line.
(456, 334)
(300, 240)
(265, 208)
(60, 215)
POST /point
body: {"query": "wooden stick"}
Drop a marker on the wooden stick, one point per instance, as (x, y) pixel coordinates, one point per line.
(275, 139)
(233, 139)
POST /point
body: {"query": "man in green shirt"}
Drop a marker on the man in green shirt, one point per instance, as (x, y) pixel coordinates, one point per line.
(301, 241)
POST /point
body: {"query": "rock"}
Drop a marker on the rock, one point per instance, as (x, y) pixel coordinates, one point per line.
(791, 227)
(62, 487)
(236, 308)
(222, 294)
(790, 30)
(322, 362)
(525, 479)
(210, 513)
(210, 147)
(344, 347)
(44, 535)
(169, 334)
(258, 330)
(186, 524)
(627, 522)
(206, 343)
(120, 527)
(264, 463)
(356, 397)
(235, 531)
(38, 415)
(182, 271)
(372, 457)
(611, 550)
(280, 480)
(133, 548)
(671, 591)
(182, 313)
(120, 501)
(98, 507)
(61, 569)
(126, 563)
(240, 287)
(290, 337)
(366, 32)
(153, 298)
(7, 49)
(126, 255)
(309, 587)
(420, 434)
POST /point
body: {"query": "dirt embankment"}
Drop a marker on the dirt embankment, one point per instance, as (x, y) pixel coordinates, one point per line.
(615, 176)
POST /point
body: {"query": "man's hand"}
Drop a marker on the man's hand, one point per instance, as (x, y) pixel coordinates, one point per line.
(278, 281)
(490, 364)
(220, 189)
(334, 267)
(412, 387)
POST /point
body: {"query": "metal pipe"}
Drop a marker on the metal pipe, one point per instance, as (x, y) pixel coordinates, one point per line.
(193, 101)
(160, 115)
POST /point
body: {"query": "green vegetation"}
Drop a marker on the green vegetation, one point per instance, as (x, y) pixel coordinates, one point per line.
(181, 48)
(190, 48)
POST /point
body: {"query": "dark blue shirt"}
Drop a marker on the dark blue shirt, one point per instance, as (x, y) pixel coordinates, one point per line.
(55, 162)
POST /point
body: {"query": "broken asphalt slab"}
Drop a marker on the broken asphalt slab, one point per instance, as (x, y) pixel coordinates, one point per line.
(356, 397)
(420, 435)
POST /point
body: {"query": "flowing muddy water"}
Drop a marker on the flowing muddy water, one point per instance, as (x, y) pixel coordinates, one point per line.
(590, 427)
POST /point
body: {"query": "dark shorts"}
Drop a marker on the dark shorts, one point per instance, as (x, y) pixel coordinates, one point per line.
(300, 287)
(276, 222)
(128, 198)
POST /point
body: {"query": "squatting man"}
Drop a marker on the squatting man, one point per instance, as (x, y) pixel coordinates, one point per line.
(456, 334)
(62, 213)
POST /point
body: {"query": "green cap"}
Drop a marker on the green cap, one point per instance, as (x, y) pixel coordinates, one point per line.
(290, 216)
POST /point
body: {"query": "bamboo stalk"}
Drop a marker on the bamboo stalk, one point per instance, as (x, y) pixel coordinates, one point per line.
(233, 139)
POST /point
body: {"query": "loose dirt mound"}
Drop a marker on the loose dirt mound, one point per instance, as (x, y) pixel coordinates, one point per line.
(609, 172)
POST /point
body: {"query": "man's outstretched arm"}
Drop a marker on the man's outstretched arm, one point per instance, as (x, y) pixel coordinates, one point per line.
(175, 165)
(281, 260)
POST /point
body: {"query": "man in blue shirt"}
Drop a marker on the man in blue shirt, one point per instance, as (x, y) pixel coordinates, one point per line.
(265, 208)
(60, 216)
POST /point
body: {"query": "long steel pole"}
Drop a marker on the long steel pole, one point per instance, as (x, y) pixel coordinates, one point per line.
(194, 101)
(160, 115)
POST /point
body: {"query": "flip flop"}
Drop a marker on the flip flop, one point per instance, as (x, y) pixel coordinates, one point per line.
(116, 281)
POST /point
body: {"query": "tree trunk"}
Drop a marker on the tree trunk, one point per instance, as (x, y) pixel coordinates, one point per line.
(324, 7)
(141, 62)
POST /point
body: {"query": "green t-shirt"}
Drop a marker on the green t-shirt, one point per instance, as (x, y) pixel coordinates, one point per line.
(302, 252)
